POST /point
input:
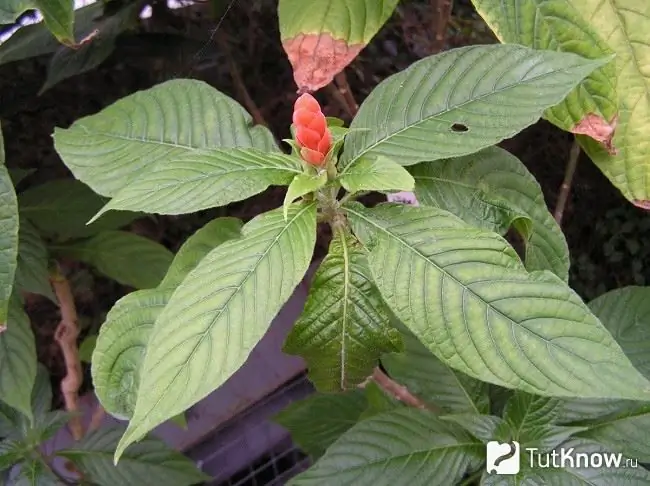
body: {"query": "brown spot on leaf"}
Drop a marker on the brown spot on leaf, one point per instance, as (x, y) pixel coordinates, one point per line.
(317, 58)
(642, 204)
(596, 127)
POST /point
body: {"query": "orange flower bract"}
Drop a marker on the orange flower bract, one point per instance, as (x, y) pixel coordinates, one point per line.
(312, 134)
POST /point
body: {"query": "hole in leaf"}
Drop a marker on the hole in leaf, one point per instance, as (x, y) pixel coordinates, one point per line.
(459, 128)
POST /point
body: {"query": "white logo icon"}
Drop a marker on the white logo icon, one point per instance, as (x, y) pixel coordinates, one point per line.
(502, 458)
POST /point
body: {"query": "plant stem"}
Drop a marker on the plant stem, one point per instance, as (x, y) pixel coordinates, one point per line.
(345, 90)
(66, 335)
(97, 418)
(565, 188)
(400, 392)
(442, 8)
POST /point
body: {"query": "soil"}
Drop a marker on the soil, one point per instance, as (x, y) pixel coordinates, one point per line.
(599, 223)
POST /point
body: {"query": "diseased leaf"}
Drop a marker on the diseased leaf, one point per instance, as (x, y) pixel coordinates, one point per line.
(128, 258)
(151, 459)
(492, 189)
(126, 140)
(490, 318)
(318, 420)
(376, 174)
(8, 236)
(303, 184)
(218, 314)
(58, 16)
(322, 38)
(345, 326)
(461, 101)
(32, 274)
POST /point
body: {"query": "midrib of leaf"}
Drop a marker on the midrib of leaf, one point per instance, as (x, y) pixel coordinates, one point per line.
(448, 109)
(346, 285)
(467, 290)
(225, 305)
(644, 411)
(138, 140)
(465, 392)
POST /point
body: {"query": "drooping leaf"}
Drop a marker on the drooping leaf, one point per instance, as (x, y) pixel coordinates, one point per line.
(58, 16)
(322, 38)
(303, 184)
(491, 189)
(32, 274)
(345, 326)
(128, 258)
(431, 380)
(557, 26)
(482, 313)
(404, 446)
(624, 25)
(150, 461)
(318, 420)
(461, 101)
(218, 314)
(377, 174)
(114, 147)
(8, 236)
(17, 360)
(61, 208)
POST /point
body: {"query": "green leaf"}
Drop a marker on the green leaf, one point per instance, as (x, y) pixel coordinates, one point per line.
(300, 185)
(41, 392)
(58, 16)
(11, 453)
(128, 258)
(18, 175)
(345, 326)
(624, 24)
(461, 101)
(492, 189)
(204, 179)
(431, 380)
(318, 420)
(87, 347)
(17, 360)
(490, 318)
(321, 38)
(556, 25)
(376, 174)
(126, 140)
(219, 313)
(10, 10)
(150, 459)
(179, 420)
(61, 208)
(8, 236)
(378, 401)
(405, 446)
(35, 472)
(32, 274)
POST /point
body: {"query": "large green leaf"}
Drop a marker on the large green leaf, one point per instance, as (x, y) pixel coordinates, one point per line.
(218, 314)
(490, 189)
(17, 360)
(58, 16)
(205, 179)
(404, 446)
(466, 295)
(148, 462)
(431, 380)
(345, 326)
(114, 147)
(8, 236)
(123, 337)
(624, 24)
(377, 174)
(318, 420)
(32, 274)
(322, 37)
(61, 208)
(11, 9)
(128, 258)
(461, 101)
(557, 26)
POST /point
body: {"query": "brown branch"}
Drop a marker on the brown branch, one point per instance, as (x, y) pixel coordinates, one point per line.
(97, 418)
(400, 392)
(439, 22)
(565, 188)
(66, 335)
(346, 92)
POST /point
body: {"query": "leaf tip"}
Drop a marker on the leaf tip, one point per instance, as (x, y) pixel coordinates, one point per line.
(643, 204)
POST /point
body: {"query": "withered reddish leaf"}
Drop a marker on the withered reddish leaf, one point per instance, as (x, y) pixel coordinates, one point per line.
(642, 204)
(596, 127)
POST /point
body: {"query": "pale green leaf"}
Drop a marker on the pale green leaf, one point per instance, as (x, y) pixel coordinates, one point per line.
(8, 236)
(128, 258)
(218, 314)
(17, 360)
(461, 101)
(61, 208)
(149, 462)
(32, 274)
(624, 24)
(58, 16)
(318, 420)
(301, 185)
(466, 295)
(557, 26)
(345, 325)
(376, 174)
(491, 189)
(433, 381)
(404, 446)
(126, 140)
(87, 347)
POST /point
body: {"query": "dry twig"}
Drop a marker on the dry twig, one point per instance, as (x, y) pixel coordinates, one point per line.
(565, 188)
(400, 392)
(442, 8)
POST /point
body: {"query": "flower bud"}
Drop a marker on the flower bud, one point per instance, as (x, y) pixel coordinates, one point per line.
(312, 134)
